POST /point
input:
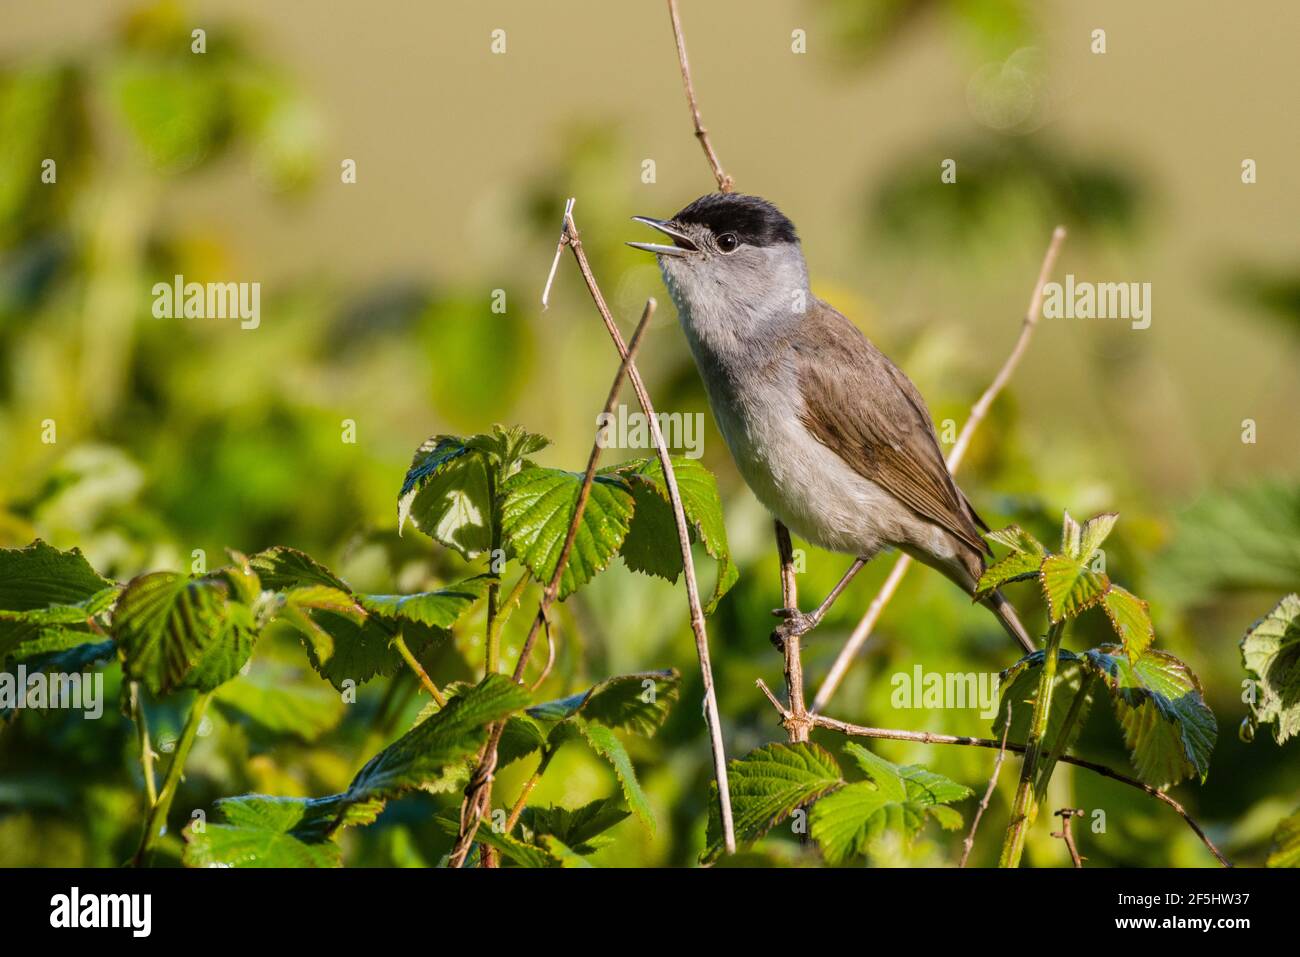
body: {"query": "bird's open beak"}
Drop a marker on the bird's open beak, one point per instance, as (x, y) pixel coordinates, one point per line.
(684, 243)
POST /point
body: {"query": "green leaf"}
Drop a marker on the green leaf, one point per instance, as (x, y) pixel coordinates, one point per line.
(281, 567)
(1285, 851)
(580, 829)
(298, 605)
(1095, 531)
(1168, 728)
(507, 449)
(263, 831)
(652, 545)
(1071, 538)
(566, 855)
(166, 625)
(605, 743)
(535, 516)
(1130, 616)
(40, 576)
(638, 702)
(1019, 689)
(852, 820)
(767, 785)
(1245, 539)
(1017, 540)
(437, 609)
(1070, 587)
(434, 754)
(1271, 653)
(447, 494)
(273, 698)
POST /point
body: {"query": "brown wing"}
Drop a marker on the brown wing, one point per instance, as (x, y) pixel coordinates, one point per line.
(864, 409)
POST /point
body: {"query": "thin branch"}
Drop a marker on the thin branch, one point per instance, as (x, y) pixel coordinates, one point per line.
(796, 719)
(988, 793)
(1066, 833)
(559, 251)
(156, 821)
(978, 411)
(724, 181)
(478, 795)
(146, 746)
(927, 737)
(417, 669)
(712, 717)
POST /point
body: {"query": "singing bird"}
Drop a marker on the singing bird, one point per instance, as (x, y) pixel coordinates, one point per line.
(829, 434)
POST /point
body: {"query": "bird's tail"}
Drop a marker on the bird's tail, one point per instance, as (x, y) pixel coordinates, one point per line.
(1006, 613)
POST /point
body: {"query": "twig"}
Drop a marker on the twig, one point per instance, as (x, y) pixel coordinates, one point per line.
(724, 181)
(156, 822)
(478, 794)
(146, 747)
(559, 251)
(417, 669)
(1066, 833)
(683, 540)
(927, 737)
(978, 411)
(984, 802)
(796, 720)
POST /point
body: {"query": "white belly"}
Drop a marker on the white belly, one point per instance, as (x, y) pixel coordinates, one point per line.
(807, 486)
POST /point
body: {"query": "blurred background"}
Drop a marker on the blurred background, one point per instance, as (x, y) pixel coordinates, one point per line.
(171, 435)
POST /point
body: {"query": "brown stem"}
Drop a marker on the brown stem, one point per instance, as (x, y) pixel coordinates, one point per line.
(478, 795)
(796, 720)
(977, 413)
(988, 793)
(1066, 833)
(724, 181)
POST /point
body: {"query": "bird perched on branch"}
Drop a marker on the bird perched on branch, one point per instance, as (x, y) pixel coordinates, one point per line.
(829, 434)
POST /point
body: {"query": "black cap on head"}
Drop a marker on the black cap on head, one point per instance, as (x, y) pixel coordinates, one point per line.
(753, 219)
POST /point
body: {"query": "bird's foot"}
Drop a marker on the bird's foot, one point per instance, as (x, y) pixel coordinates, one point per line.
(796, 624)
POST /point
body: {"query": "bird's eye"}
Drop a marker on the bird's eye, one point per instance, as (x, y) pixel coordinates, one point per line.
(727, 242)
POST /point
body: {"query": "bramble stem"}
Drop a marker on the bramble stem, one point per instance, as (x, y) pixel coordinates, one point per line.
(1025, 805)
(146, 747)
(413, 663)
(156, 823)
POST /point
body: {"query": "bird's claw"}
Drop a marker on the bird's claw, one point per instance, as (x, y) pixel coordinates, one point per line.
(795, 625)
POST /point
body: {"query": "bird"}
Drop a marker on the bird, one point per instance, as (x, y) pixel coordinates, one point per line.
(829, 434)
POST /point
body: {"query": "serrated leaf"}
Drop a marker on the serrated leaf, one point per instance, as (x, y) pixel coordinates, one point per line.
(652, 545)
(567, 856)
(437, 609)
(447, 494)
(272, 698)
(1070, 587)
(1019, 689)
(40, 576)
(579, 827)
(535, 515)
(850, 821)
(605, 743)
(434, 754)
(1130, 616)
(165, 624)
(1095, 531)
(264, 831)
(637, 702)
(507, 448)
(282, 567)
(1071, 538)
(1285, 851)
(1168, 728)
(1271, 653)
(767, 785)
(519, 738)
(1018, 566)
(1017, 540)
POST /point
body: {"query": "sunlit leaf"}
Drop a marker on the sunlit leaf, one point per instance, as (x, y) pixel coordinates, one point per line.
(1271, 652)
